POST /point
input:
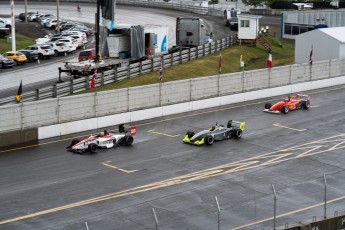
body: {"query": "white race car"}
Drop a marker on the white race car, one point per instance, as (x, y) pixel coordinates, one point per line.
(104, 140)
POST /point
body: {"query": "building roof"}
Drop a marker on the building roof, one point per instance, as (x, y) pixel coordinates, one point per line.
(335, 32)
(303, 4)
(248, 16)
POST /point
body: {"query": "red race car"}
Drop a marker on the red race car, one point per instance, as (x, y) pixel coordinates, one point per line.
(300, 101)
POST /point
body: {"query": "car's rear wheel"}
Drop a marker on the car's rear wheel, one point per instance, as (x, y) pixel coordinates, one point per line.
(129, 140)
(209, 140)
(56, 53)
(285, 109)
(238, 134)
(268, 105)
(306, 105)
(92, 148)
(15, 62)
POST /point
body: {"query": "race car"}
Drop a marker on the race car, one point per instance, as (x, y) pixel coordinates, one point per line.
(288, 104)
(103, 140)
(215, 133)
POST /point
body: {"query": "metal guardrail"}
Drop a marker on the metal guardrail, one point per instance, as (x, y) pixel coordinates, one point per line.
(121, 73)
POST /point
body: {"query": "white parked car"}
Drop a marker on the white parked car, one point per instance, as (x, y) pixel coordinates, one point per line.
(43, 40)
(80, 40)
(43, 51)
(72, 32)
(71, 43)
(53, 23)
(33, 17)
(60, 48)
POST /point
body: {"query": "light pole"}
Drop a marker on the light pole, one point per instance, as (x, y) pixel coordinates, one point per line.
(275, 207)
(57, 14)
(13, 27)
(26, 11)
(97, 31)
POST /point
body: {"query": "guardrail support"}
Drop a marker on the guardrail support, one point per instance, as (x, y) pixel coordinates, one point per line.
(102, 77)
(60, 71)
(71, 88)
(54, 91)
(115, 74)
(37, 94)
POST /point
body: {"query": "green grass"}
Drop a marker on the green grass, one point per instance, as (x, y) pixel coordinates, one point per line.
(255, 57)
(21, 42)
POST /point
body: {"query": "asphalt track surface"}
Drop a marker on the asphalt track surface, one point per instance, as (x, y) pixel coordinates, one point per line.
(45, 187)
(36, 76)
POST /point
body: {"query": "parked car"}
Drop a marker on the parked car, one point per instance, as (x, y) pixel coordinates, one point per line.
(33, 17)
(71, 42)
(60, 48)
(233, 23)
(86, 55)
(4, 32)
(80, 40)
(17, 57)
(21, 16)
(31, 56)
(6, 23)
(5, 62)
(53, 23)
(43, 51)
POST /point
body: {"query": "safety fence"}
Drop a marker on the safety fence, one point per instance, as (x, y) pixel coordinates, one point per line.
(121, 73)
(79, 107)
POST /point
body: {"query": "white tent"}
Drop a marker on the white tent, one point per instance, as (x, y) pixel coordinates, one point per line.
(327, 43)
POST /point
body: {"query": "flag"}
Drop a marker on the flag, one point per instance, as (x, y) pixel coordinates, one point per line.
(220, 63)
(161, 72)
(311, 56)
(19, 93)
(93, 80)
(269, 60)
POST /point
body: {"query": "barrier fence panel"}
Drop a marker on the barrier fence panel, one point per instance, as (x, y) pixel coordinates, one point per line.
(11, 117)
(143, 97)
(204, 87)
(320, 69)
(38, 113)
(230, 83)
(280, 76)
(175, 92)
(111, 102)
(300, 73)
(76, 108)
(255, 79)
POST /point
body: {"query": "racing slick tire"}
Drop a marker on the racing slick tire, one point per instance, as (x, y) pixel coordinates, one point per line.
(209, 140)
(190, 134)
(92, 148)
(306, 105)
(285, 109)
(268, 105)
(129, 140)
(238, 134)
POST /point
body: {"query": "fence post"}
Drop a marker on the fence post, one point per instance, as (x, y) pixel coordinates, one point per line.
(221, 44)
(102, 77)
(87, 85)
(71, 88)
(203, 50)
(171, 60)
(115, 74)
(216, 44)
(37, 94)
(95, 105)
(151, 64)
(189, 54)
(209, 48)
(129, 71)
(290, 71)
(140, 67)
(180, 55)
(54, 91)
(58, 110)
(197, 52)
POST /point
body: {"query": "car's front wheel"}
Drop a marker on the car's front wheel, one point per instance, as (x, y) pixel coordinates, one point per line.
(190, 134)
(306, 105)
(268, 105)
(209, 140)
(92, 148)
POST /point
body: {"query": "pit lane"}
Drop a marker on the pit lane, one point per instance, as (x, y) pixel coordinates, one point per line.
(44, 187)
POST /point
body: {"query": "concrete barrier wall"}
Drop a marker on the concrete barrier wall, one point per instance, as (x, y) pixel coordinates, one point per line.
(10, 117)
(40, 113)
(76, 107)
(112, 102)
(255, 79)
(334, 68)
(101, 122)
(73, 108)
(175, 92)
(320, 70)
(280, 76)
(204, 87)
(143, 97)
(230, 83)
(18, 136)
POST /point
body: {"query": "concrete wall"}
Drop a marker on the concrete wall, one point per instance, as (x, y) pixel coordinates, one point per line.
(18, 137)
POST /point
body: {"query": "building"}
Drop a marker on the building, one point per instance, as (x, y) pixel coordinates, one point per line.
(298, 22)
(248, 27)
(327, 43)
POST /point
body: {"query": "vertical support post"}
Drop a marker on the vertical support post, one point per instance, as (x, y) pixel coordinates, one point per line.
(290, 71)
(189, 54)
(71, 88)
(171, 60)
(97, 31)
(128, 71)
(13, 27)
(156, 220)
(37, 94)
(275, 206)
(180, 55)
(216, 48)
(218, 207)
(269, 78)
(57, 15)
(209, 48)
(151, 64)
(95, 103)
(115, 74)
(87, 82)
(22, 115)
(54, 91)
(102, 77)
(140, 67)
(58, 110)
(26, 11)
(203, 50)
(325, 206)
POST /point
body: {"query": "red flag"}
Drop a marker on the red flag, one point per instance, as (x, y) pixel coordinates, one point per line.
(161, 72)
(311, 56)
(93, 80)
(220, 63)
(269, 60)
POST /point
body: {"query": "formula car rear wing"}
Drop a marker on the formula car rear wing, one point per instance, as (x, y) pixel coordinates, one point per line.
(303, 96)
(237, 124)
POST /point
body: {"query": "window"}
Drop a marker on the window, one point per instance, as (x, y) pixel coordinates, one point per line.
(244, 23)
(287, 28)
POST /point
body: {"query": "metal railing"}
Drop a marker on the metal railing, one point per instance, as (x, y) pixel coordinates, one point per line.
(121, 73)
